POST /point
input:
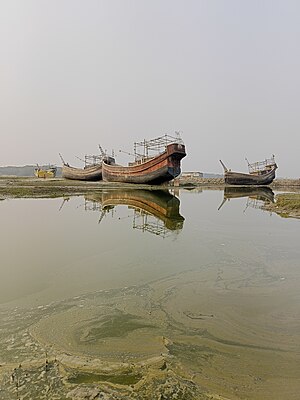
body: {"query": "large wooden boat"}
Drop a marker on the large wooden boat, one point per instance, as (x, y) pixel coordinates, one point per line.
(146, 169)
(45, 172)
(260, 173)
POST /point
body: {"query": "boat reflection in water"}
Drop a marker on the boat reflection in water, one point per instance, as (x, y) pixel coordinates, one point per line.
(154, 211)
(257, 197)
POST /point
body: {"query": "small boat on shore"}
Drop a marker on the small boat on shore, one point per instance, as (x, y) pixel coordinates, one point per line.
(92, 170)
(260, 173)
(90, 173)
(45, 172)
(148, 169)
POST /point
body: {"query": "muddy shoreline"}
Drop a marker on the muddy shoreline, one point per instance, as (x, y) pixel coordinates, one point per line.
(34, 187)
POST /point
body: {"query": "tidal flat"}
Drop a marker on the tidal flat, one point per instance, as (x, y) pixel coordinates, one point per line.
(140, 308)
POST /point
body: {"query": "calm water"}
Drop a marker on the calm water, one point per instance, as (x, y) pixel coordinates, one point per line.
(143, 292)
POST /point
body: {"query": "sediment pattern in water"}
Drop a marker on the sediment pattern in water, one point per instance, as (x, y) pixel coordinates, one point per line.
(226, 331)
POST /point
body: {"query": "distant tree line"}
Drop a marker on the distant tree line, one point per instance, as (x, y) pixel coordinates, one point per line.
(26, 170)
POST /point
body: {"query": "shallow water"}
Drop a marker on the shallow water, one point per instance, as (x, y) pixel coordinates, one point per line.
(182, 297)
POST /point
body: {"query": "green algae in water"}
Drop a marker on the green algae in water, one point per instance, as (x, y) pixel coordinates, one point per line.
(192, 353)
(112, 326)
(122, 379)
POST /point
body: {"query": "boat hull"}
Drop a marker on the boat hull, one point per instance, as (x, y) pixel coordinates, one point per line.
(162, 168)
(92, 173)
(238, 178)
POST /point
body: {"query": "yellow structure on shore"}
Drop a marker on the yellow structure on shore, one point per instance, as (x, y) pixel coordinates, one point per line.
(48, 172)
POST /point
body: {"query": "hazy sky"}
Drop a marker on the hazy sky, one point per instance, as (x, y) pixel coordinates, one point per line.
(75, 73)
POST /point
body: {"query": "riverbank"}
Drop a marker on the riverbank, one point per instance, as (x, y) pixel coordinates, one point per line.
(29, 186)
(15, 187)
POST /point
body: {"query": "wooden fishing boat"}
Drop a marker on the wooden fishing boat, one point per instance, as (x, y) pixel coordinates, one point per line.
(260, 173)
(45, 172)
(90, 173)
(92, 170)
(147, 169)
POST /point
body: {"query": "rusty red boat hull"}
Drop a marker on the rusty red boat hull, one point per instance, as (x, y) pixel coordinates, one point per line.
(162, 168)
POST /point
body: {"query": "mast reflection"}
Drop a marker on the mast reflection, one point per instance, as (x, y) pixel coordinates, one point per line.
(155, 211)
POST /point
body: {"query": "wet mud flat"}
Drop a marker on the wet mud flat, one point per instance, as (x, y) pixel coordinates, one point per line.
(15, 187)
(225, 331)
